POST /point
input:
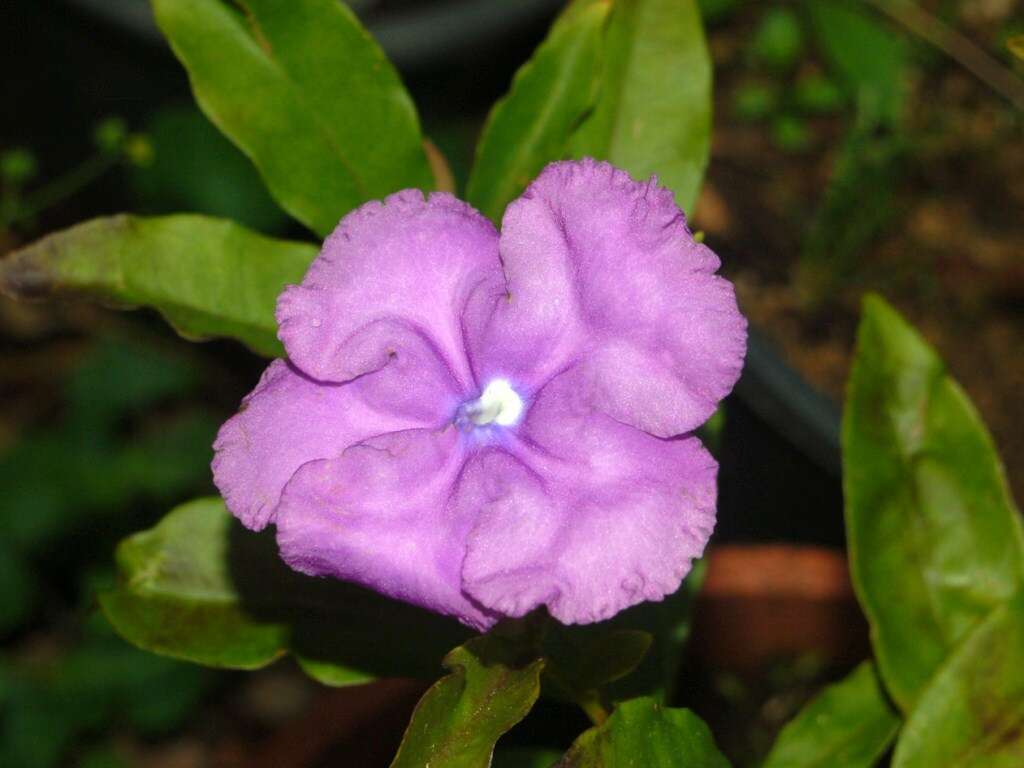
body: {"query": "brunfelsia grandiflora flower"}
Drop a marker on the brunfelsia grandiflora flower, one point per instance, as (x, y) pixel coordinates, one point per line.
(483, 424)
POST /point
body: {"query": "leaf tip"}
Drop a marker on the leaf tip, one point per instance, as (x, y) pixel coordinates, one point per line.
(874, 306)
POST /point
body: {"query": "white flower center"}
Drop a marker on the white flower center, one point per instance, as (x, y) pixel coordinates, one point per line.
(498, 404)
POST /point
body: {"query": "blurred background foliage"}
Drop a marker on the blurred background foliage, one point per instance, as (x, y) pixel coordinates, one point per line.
(854, 147)
(127, 431)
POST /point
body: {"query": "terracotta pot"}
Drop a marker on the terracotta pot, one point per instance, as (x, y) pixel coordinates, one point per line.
(760, 603)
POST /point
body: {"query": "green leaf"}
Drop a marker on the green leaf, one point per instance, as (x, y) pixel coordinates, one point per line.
(971, 715)
(850, 724)
(582, 659)
(494, 682)
(653, 113)
(550, 94)
(307, 94)
(865, 54)
(642, 733)
(199, 587)
(207, 277)
(935, 541)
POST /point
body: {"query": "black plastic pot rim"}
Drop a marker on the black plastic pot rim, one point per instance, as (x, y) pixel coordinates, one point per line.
(426, 33)
(779, 395)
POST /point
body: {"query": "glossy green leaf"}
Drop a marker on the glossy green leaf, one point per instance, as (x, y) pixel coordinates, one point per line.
(307, 94)
(550, 95)
(850, 724)
(641, 733)
(208, 277)
(971, 715)
(493, 684)
(200, 587)
(935, 542)
(653, 114)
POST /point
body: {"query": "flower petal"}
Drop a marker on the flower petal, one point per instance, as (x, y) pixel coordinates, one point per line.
(393, 276)
(603, 270)
(289, 419)
(379, 515)
(585, 514)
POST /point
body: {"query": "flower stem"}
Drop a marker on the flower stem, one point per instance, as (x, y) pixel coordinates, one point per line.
(590, 702)
(60, 189)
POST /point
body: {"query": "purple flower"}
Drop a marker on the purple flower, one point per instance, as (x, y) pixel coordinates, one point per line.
(482, 424)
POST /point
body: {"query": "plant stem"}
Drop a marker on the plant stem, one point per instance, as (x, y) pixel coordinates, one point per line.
(590, 702)
(62, 188)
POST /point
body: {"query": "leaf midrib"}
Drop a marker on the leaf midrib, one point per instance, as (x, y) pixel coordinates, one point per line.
(301, 97)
